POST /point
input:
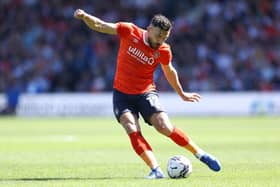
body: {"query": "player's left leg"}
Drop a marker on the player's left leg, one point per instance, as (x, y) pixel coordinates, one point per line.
(153, 113)
(150, 108)
(163, 125)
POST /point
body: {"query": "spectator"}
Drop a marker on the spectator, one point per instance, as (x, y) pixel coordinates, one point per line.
(220, 45)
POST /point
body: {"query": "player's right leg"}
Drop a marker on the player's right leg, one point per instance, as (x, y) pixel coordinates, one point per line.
(127, 116)
(130, 123)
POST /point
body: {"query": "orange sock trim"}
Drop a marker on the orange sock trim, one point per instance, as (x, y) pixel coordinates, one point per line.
(138, 143)
(179, 137)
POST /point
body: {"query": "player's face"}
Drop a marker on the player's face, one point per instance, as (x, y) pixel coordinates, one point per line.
(156, 36)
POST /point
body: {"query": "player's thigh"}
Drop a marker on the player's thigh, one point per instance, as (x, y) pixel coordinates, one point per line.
(122, 104)
(161, 122)
(130, 122)
(148, 105)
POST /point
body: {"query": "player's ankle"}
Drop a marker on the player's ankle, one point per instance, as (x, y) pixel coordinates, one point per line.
(199, 153)
(154, 168)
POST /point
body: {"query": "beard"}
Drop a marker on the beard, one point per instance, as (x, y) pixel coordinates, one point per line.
(153, 45)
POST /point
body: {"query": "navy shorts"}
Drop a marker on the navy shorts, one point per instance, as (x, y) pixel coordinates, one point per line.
(146, 104)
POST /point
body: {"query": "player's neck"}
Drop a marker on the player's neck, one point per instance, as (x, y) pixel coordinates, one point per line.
(146, 40)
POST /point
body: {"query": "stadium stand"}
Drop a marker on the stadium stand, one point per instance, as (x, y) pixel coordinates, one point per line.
(217, 45)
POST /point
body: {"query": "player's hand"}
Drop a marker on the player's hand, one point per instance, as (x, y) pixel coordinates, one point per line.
(79, 14)
(191, 97)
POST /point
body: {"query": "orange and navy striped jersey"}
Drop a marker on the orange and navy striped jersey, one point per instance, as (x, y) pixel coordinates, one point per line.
(137, 61)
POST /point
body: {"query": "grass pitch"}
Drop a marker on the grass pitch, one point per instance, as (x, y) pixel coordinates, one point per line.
(96, 152)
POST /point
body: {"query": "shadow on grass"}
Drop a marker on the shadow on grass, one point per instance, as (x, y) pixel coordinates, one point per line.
(66, 178)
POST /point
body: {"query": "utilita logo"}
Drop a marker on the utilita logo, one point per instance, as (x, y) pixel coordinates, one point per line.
(140, 56)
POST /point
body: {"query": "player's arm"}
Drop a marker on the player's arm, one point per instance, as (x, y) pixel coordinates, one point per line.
(95, 23)
(172, 77)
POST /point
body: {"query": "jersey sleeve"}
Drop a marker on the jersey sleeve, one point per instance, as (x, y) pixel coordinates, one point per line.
(166, 55)
(124, 28)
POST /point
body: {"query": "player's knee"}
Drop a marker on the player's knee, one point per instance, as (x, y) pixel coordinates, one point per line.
(129, 125)
(165, 130)
(163, 126)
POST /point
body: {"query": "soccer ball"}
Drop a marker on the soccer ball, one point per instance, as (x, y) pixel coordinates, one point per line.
(179, 167)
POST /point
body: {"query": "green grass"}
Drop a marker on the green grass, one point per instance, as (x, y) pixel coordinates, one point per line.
(96, 152)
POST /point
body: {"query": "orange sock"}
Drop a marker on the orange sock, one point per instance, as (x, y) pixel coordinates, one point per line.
(180, 138)
(138, 143)
(143, 149)
(149, 158)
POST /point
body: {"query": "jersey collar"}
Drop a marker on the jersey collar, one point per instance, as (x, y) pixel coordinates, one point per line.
(144, 38)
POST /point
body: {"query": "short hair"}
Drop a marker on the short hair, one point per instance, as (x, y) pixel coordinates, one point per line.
(161, 21)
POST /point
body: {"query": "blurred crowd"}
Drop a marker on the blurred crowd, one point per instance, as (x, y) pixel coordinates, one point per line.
(217, 45)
